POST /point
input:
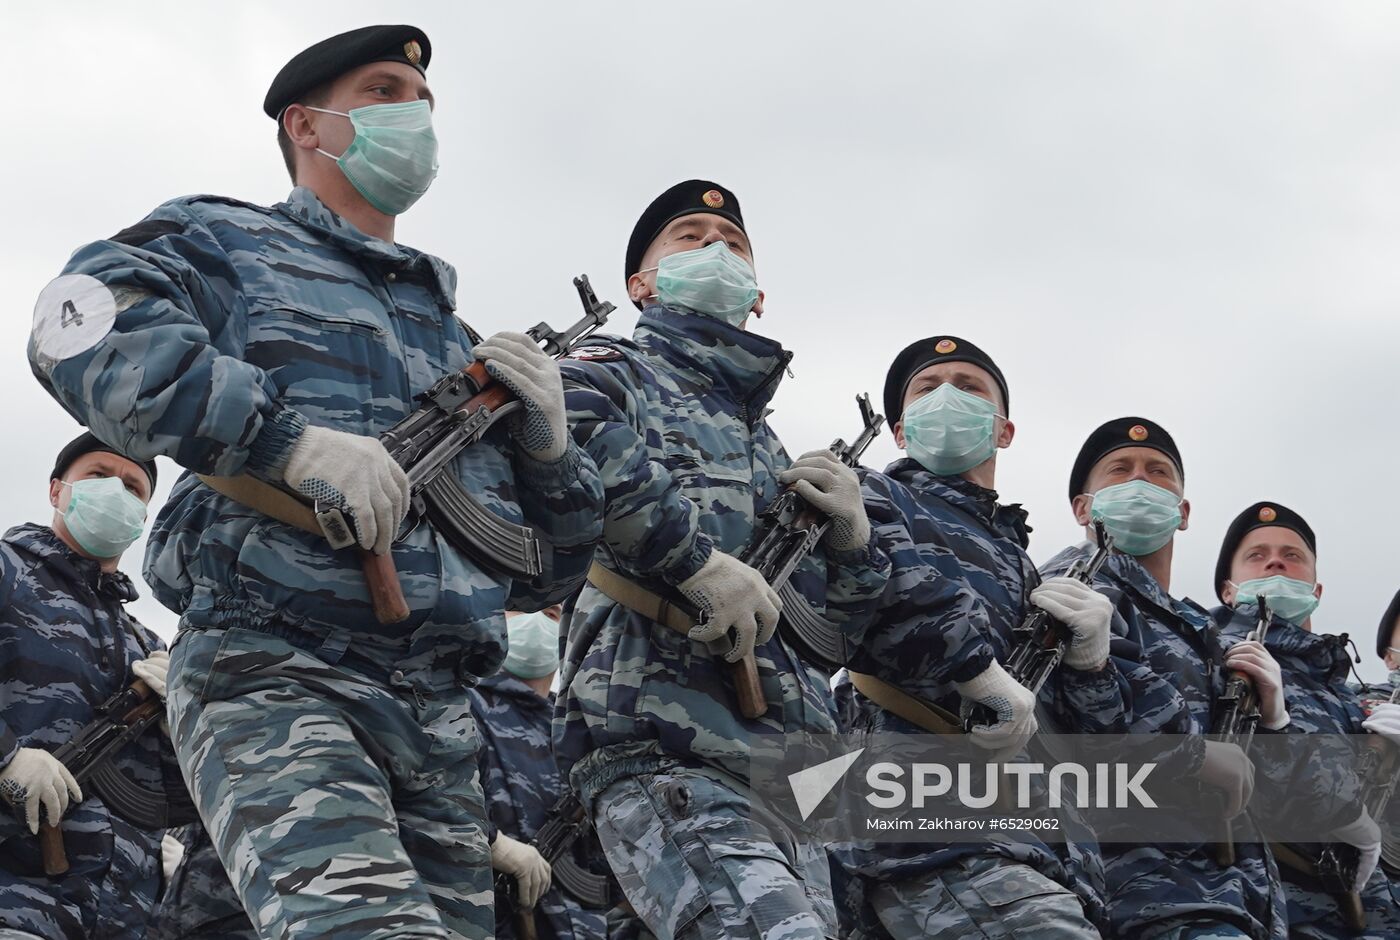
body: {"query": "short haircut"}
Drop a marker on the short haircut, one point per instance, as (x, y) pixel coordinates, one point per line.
(316, 97)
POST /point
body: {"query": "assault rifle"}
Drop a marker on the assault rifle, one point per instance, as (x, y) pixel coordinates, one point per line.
(88, 756)
(453, 414)
(786, 532)
(567, 822)
(1337, 865)
(1041, 640)
(1239, 715)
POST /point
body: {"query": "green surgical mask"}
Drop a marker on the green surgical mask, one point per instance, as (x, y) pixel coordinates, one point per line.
(1140, 516)
(393, 159)
(1290, 599)
(532, 649)
(103, 516)
(950, 431)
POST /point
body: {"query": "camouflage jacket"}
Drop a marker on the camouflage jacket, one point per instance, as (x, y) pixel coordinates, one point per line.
(674, 419)
(521, 784)
(1390, 826)
(1315, 668)
(66, 646)
(213, 332)
(959, 584)
(1177, 641)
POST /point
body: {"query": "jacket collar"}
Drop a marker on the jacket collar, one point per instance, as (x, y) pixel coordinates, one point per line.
(1323, 655)
(304, 207)
(743, 366)
(504, 685)
(977, 501)
(43, 544)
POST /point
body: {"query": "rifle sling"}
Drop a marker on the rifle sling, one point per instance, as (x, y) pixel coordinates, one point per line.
(926, 715)
(266, 499)
(640, 600)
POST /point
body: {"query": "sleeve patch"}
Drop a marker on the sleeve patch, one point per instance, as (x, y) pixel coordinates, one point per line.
(72, 315)
(595, 354)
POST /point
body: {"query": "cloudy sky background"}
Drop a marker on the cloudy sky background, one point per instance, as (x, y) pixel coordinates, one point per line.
(1186, 211)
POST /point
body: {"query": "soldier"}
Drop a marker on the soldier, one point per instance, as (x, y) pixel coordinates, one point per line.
(1129, 475)
(1270, 550)
(960, 582)
(66, 646)
(333, 757)
(648, 731)
(1376, 702)
(513, 709)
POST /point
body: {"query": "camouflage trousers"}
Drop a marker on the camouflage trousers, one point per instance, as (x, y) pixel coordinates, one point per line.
(1314, 915)
(342, 807)
(198, 902)
(7, 934)
(1199, 930)
(982, 897)
(695, 864)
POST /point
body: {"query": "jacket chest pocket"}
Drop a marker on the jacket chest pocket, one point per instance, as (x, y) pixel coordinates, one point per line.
(724, 494)
(335, 368)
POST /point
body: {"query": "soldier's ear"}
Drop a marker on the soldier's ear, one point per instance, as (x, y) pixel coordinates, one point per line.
(1185, 515)
(1080, 507)
(55, 490)
(899, 433)
(1006, 434)
(637, 288)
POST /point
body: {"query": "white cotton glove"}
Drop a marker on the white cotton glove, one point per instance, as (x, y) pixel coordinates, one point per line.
(1227, 769)
(732, 596)
(152, 670)
(1085, 611)
(516, 361)
(1251, 658)
(823, 480)
(171, 851)
(1013, 704)
(523, 863)
(356, 475)
(1385, 721)
(34, 776)
(1365, 835)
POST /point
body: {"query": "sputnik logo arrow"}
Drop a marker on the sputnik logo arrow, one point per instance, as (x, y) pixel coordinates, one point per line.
(810, 786)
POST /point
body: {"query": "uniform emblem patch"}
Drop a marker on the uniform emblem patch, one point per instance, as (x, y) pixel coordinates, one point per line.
(945, 346)
(594, 354)
(1137, 433)
(72, 315)
(1267, 514)
(714, 199)
(412, 51)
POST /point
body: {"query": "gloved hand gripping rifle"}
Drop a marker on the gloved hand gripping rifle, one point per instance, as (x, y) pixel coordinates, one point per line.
(1238, 708)
(88, 756)
(786, 532)
(567, 822)
(1041, 640)
(453, 414)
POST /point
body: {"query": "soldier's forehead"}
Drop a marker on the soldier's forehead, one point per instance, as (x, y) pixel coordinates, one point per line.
(1273, 535)
(952, 369)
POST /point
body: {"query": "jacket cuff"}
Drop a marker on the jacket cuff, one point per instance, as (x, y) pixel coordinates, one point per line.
(700, 552)
(548, 474)
(270, 450)
(9, 745)
(973, 666)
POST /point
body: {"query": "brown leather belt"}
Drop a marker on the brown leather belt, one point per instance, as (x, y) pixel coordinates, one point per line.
(640, 600)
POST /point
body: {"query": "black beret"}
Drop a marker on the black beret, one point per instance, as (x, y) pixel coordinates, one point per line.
(1257, 517)
(86, 443)
(331, 58)
(686, 198)
(1115, 435)
(918, 356)
(1387, 627)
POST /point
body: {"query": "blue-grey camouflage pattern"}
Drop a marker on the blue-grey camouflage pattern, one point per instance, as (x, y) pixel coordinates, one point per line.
(344, 804)
(959, 584)
(696, 861)
(239, 325)
(675, 421)
(236, 327)
(1368, 694)
(66, 646)
(521, 783)
(199, 902)
(1156, 888)
(1315, 668)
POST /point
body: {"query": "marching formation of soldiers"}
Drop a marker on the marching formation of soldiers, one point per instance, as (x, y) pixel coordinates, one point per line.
(403, 734)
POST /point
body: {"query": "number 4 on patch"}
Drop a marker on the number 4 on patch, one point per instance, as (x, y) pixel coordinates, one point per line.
(70, 315)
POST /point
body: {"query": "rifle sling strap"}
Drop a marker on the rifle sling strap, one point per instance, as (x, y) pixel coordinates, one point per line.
(266, 499)
(640, 600)
(926, 715)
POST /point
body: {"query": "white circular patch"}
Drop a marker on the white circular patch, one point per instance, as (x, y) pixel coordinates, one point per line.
(72, 314)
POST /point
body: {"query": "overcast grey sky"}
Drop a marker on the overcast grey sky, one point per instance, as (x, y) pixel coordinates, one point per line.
(1186, 211)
